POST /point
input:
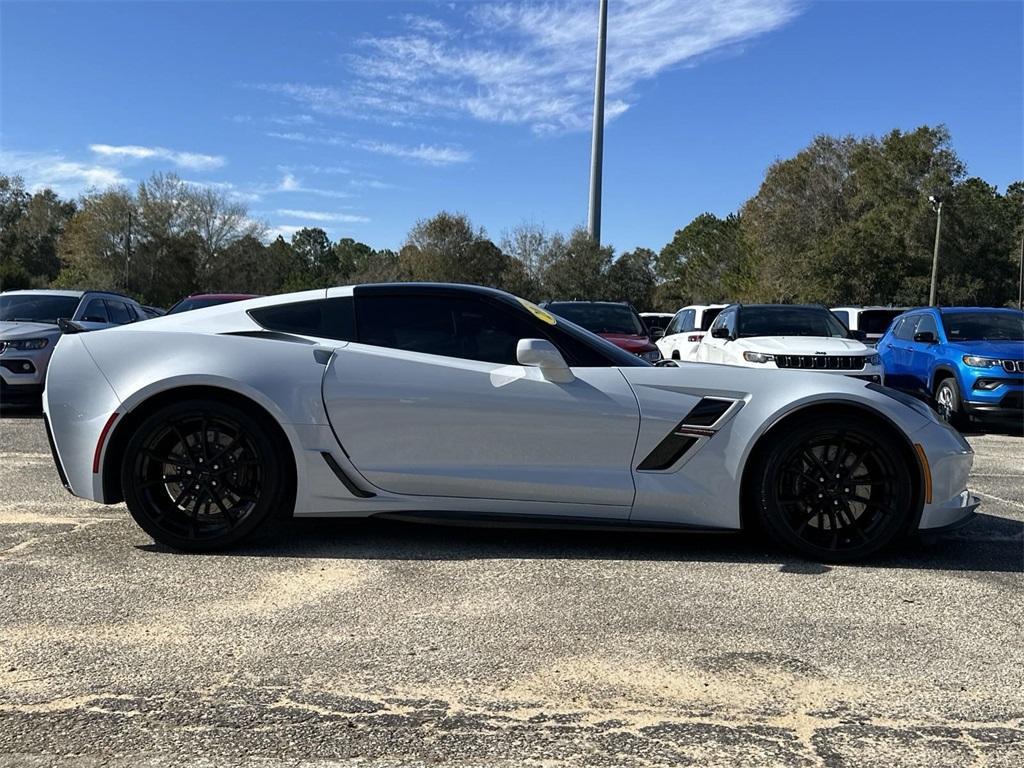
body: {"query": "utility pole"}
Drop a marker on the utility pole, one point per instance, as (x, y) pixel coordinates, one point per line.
(597, 145)
(937, 207)
(1020, 277)
(128, 249)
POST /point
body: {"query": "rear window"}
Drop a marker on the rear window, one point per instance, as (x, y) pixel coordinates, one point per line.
(709, 317)
(325, 318)
(601, 318)
(877, 321)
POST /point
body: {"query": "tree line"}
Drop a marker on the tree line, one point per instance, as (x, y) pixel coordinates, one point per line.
(847, 220)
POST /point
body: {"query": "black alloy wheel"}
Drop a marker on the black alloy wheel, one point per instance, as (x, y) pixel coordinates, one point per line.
(835, 489)
(202, 475)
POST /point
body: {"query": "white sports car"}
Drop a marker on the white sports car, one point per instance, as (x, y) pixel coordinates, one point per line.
(446, 402)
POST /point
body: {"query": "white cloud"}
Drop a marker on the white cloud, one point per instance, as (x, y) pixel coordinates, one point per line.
(194, 161)
(282, 230)
(424, 153)
(532, 63)
(55, 171)
(322, 216)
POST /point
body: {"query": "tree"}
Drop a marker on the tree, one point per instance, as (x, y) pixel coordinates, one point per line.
(352, 258)
(575, 268)
(218, 222)
(95, 247)
(315, 257)
(446, 248)
(30, 227)
(631, 278)
(706, 262)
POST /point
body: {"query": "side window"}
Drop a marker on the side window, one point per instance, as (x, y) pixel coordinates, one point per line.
(843, 315)
(118, 312)
(326, 318)
(927, 324)
(730, 320)
(674, 324)
(689, 320)
(905, 329)
(461, 327)
(95, 312)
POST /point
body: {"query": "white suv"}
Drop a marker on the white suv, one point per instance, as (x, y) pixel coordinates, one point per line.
(788, 336)
(687, 328)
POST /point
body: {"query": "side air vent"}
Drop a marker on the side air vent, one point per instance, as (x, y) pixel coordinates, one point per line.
(697, 423)
(339, 473)
(707, 412)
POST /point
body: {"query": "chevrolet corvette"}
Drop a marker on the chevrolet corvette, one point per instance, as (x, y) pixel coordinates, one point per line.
(445, 402)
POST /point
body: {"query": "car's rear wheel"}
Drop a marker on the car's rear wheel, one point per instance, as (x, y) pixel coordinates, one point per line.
(201, 475)
(835, 489)
(948, 404)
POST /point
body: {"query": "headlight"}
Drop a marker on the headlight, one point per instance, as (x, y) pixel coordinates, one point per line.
(758, 357)
(23, 345)
(651, 357)
(980, 362)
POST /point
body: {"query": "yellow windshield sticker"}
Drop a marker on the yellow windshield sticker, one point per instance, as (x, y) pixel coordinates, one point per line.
(536, 311)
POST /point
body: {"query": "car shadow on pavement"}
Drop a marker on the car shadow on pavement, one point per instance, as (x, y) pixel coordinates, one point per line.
(989, 544)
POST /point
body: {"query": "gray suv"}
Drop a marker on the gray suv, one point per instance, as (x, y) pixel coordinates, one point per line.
(29, 331)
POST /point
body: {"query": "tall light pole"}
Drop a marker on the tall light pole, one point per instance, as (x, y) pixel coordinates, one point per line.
(597, 145)
(937, 207)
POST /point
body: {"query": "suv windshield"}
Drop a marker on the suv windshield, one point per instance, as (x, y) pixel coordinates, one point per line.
(600, 318)
(37, 308)
(789, 321)
(187, 305)
(988, 326)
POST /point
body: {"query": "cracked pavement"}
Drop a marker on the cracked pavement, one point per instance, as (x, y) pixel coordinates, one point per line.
(345, 643)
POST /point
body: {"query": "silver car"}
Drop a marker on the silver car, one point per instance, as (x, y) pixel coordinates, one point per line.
(29, 331)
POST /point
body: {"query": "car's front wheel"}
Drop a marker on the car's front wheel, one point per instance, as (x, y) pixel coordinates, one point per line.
(201, 475)
(835, 489)
(947, 402)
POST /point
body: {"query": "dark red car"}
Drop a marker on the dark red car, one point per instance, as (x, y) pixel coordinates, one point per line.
(201, 300)
(616, 321)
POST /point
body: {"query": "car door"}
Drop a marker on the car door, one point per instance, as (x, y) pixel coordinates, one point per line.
(920, 354)
(673, 340)
(429, 400)
(712, 350)
(895, 353)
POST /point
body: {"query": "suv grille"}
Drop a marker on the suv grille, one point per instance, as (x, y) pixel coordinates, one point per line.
(821, 362)
(1010, 366)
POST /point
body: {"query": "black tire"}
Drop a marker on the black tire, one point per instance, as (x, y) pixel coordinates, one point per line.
(202, 475)
(948, 404)
(834, 489)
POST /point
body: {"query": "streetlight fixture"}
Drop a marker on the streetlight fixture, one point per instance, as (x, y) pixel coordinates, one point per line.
(597, 144)
(936, 202)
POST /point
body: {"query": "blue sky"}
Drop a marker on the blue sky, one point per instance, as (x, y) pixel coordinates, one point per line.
(362, 117)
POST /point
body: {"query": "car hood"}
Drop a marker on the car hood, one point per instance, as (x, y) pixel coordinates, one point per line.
(802, 345)
(634, 344)
(18, 329)
(1001, 349)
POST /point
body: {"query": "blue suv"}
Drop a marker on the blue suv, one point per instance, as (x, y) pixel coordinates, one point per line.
(968, 361)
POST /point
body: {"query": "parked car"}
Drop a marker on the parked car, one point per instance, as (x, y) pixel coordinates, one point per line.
(686, 330)
(872, 321)
(29, 330)
(656, 322)
(615, 321)
(152, 312)
(448, 402)
(787, 336)
(968, 361)
(203, 300)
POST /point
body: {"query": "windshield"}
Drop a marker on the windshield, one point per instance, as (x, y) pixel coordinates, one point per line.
(877, 321)
(186, 305)
(601, 318)
(789, 321)
(709, 317)
(984, 326)
(37, 308)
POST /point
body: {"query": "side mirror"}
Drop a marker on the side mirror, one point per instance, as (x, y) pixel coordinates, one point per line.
(657, 333)
(721, 333)
(66, 326)
(925, 337)
(540, 353)
(858, 335)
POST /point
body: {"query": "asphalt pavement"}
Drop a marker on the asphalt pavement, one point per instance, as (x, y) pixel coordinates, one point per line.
(371, 644)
